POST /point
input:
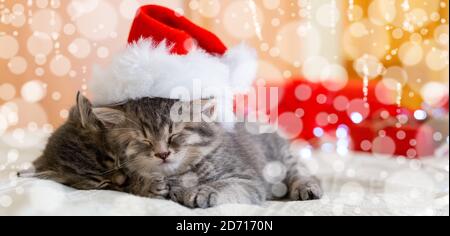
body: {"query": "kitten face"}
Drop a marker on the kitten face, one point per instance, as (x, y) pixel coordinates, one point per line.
(152, 142)
(76, 156)
(96, 142)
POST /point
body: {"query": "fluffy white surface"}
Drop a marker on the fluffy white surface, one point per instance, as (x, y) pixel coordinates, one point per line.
(365, 185)
(146, 69)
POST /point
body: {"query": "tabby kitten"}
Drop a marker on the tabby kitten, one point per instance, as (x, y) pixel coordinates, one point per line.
(77, 155)
(138, 148)
(201, 164)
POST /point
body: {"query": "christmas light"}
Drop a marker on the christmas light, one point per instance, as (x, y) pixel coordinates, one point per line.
(420, 115)
(252, 6)
(341, 133)
(306, 153)
(356, 117)
(405, 5)
(318, 132)
(351, 6)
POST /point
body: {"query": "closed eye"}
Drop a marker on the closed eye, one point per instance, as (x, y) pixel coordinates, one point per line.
(147, 142)
(104, 184)
(173, 137)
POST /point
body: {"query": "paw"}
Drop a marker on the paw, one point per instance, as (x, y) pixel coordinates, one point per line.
(306, 191)
(176, 194)
(159, 187)
(201, 197)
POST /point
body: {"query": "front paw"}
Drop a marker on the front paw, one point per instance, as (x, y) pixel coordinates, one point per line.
(199, 197)
(158, 187)
(305, 191)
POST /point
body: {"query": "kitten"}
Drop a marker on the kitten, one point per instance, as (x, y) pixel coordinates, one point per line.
(201, 163)
(77, 155)
(137, 148)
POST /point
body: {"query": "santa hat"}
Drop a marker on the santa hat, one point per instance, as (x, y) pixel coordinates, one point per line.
(166, 51)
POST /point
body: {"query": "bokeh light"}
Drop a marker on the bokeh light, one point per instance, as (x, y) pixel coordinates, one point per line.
(8, 46)
(298, 42)
(239, 21)
(33, 91)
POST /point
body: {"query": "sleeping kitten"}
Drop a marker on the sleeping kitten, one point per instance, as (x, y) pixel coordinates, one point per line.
(77, 155)
(201, 163)
(137, 148)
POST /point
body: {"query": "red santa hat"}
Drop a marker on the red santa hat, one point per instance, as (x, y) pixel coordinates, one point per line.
(165, 52)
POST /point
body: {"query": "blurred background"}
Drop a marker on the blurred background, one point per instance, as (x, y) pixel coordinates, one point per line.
(353, 74)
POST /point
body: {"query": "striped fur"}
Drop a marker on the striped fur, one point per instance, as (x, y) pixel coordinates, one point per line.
(117, 148)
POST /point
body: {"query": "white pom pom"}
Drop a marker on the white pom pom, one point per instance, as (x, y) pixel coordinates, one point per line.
(242, 61)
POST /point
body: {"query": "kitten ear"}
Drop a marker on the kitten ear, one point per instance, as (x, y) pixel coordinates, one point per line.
(109, 116)
(207, 108)
(84, 109)
(90, 116)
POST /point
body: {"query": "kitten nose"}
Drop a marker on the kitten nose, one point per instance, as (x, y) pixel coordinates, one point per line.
(163, 155)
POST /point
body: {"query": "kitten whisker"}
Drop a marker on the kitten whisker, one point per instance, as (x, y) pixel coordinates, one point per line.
(118, 129)
(29, 174)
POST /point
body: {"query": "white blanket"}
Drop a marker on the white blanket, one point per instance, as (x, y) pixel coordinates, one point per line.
(359, 184)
